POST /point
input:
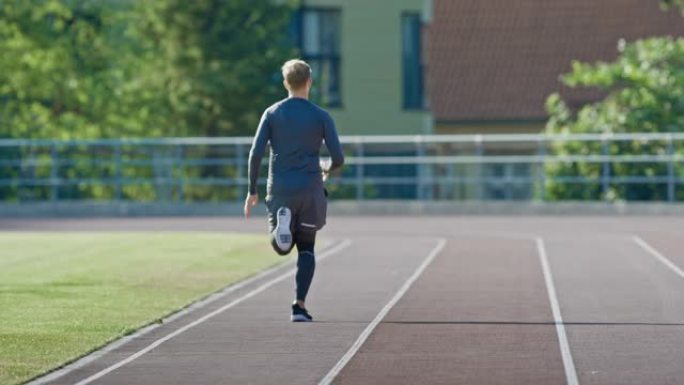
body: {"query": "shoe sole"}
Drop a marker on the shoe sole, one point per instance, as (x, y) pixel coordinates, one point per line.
(299, 318)
(283, 236)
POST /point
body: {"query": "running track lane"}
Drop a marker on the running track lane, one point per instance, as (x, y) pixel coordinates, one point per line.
(254, 342)
(601, 276)
(623, 308)
(479, 314)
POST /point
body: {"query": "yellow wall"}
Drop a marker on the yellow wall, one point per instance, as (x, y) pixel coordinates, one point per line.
(371, 68)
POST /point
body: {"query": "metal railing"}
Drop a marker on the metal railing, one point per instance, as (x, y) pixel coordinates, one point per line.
(438, 167)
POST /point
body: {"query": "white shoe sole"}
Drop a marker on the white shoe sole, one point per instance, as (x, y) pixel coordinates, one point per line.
(282, 233)
(299, 318)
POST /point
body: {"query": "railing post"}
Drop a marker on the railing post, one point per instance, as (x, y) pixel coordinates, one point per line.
(54, 173)
(179, 174)
(541, 168)
(670, 170)
(118, 172)
(167, 172)
(508, 175)
(479, 152)
(421, 187)
(605, 171)
(157, 173)
(240, 175)
(448, 189)
(359, 170)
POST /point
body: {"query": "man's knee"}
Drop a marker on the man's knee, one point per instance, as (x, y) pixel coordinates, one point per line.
(306, 260)
(305, 241)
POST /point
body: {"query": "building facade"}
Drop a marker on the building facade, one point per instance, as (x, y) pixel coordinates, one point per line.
(368, 63)
(493, 64)
(389, 67)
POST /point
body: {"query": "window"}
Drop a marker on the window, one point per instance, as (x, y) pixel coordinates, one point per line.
(412, 64)
(319, 41)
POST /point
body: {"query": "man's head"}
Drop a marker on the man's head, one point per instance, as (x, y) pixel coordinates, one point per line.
(297, 76)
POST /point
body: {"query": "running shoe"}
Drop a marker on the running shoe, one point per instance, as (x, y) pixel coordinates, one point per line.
(300, 315)
(282, 233)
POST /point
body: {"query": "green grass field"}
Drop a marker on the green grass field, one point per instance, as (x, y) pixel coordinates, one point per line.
(64, 294)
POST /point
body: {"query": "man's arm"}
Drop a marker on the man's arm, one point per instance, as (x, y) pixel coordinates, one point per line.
(332, 141)
(256, 153)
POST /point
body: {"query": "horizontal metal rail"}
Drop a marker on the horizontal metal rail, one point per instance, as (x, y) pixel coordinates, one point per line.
(503, 159)
(367, 139)
(454, 167)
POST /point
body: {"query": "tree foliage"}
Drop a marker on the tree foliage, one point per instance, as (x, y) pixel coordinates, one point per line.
(123, 68)
(667, 4)
(84, 69)
(645, 93)
(219, 58)
(63, 73)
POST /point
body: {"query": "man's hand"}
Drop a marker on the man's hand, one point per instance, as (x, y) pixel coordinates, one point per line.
(325, 163)
(250, 202)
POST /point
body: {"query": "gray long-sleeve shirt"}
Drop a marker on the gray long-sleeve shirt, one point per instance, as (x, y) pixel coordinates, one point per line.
(296, 129)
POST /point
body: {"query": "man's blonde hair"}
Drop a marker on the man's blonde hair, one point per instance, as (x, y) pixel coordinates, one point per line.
(296, 73)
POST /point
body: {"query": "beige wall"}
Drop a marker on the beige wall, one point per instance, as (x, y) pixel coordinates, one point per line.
(371, 68)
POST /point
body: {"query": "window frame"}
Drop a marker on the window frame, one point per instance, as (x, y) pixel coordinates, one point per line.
(335, 58)
(406, 106)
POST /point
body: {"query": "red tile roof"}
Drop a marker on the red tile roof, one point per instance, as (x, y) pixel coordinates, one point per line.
(500, 59)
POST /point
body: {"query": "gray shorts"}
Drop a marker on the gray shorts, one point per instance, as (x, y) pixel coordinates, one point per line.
(309, 210)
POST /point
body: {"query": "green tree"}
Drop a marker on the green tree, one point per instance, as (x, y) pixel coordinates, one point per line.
(220, 59)
(80, 69)
(644, 93)
(68, 71)
(71, 69)
(220, 62)
(97, 69)
(673, 3)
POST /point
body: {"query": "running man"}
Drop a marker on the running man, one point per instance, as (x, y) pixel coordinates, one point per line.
(296, 199)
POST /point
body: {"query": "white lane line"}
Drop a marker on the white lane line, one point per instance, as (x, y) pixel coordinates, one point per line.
(211, 298)
(328, 379)
(655, 253)
(568, 364)
(198, 321)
